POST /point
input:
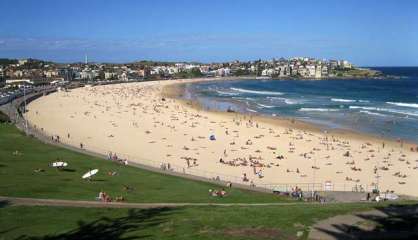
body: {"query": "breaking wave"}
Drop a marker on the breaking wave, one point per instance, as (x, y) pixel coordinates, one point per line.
(256, 92)
(227, 93)
(318, 110)
(285, 100)
(373, 113)
(342, 100)
(265, 106)
(388, 110)
(401, 104)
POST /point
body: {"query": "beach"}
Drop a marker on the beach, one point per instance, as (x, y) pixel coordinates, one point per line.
(146, 122)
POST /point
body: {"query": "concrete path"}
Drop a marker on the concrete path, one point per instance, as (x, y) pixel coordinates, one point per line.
(98, 204)
(331, 228)
(361, 225)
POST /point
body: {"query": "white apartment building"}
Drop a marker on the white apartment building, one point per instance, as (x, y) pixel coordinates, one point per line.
(109, 75)
(311, 70)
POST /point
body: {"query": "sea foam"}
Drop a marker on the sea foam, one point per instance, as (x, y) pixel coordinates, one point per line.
(401, 104)
(373, 113)
(227, 93)
(256, 92)
(265, 106)
(388, 110)
(285, 100)
(318, 110)
(342, 100)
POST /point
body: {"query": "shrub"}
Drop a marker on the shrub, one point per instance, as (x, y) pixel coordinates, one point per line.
(4, 118)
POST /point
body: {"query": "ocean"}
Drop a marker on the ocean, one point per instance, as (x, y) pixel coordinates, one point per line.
(381, 107)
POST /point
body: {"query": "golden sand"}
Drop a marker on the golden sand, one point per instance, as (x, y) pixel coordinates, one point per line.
(145, 123)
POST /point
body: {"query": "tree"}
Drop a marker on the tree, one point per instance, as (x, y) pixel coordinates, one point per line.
(241, 72)
(191, 73)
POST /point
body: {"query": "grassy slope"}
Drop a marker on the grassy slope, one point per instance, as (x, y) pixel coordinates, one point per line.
(179, 223)
(17, 177)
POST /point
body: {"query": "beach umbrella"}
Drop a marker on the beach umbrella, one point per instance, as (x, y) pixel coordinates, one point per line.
(89, 174)
(59, 164)
(212, 137)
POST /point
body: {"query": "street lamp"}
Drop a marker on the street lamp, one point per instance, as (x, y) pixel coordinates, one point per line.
(314, 172)
(24, 111)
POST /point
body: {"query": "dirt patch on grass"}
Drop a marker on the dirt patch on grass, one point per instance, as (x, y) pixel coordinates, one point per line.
(266, 233)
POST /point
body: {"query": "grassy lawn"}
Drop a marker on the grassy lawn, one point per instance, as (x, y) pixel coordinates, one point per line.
(18, 179)
(165, 223)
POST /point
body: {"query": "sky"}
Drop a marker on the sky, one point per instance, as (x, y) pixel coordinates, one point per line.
(365, 32)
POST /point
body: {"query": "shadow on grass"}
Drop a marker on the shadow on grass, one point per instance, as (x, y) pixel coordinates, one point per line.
(397, 222)
(136, 221)
(4, 203)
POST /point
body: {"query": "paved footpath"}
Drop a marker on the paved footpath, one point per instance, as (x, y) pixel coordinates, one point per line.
(329, 229)
(340, 227)
(335, 227)
(98, 204)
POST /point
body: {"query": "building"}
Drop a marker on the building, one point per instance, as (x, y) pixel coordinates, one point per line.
(110, 75)
(223, 72)
(123, 76)
(88, 74)
(2, 78)
(318, 71)
(50, 74)
(269, 72)
(345, 64)
(311, 71)
(22, 61)
(66, 73)
(302, 71)
(333, 64)
(324, 71)
(283, 71)
(204, 69)
(144, 72)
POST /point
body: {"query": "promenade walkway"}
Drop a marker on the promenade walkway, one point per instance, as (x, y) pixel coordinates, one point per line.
(98, 204)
